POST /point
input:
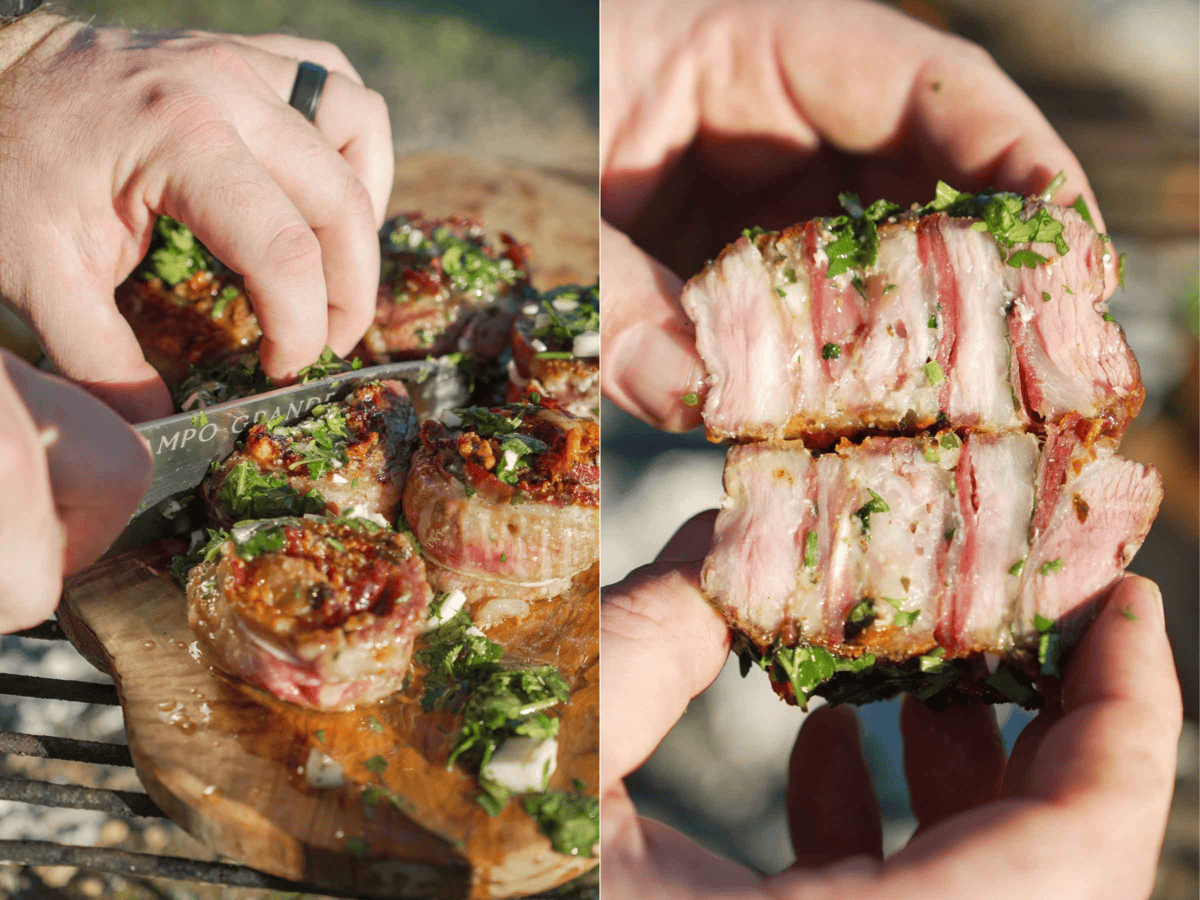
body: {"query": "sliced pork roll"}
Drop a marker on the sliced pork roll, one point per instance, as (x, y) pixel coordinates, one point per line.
(505, 502)
(901, 321)
(932, 553)
(556, 350)
(349, 457)
(318, 612)
(185, 308)
(444, 287)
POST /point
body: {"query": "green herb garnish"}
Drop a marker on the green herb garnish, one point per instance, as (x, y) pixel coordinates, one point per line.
(1052, 566)
(571, 820)
(933, 371)
(1015, 568)
(810, 549)
(376, 764)
(875, 505)
(831, 351)
(247, 493)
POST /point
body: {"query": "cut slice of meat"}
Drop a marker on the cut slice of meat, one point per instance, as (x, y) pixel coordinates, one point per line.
(318, 612)
(444, 287)
(930, 548)
(944, 325)
(556, 350)
(505, 502)
(349, 457)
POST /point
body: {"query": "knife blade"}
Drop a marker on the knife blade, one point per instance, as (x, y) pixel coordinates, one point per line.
(186, 445)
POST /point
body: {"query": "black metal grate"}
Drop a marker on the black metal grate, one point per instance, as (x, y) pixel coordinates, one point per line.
(117, 803)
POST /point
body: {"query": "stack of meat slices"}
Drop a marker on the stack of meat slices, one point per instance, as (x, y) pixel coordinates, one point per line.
(320, 607)
(505, 504)
(443, 288)
(951, 563)
(556, 350)
(185, 308)
(318, 612)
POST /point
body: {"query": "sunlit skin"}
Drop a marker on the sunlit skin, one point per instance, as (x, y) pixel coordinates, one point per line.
(1078, 810)
(716, 116)
(115, 127)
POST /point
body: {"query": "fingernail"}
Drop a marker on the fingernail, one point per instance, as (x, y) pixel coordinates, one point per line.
(660, 371)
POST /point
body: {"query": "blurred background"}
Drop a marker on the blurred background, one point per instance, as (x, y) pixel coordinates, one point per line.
(1119, 80)
(493, 109)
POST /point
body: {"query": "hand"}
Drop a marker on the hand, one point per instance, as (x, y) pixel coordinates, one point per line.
(1079, 809)
(719, 115)
(73, 475)
(107, 128)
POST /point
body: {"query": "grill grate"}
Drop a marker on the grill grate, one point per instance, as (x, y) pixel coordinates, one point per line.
(124, 804)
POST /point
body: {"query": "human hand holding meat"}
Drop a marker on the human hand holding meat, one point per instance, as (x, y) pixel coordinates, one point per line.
(107, 128)
(719, 115)
(73, 475)
(1080, 807)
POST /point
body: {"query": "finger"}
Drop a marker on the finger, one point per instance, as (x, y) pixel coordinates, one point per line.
(833, 813)
(214, 185)
(1121, 707)
(90, 342)
(650, 362)
(31, 538)
(336, 206)
(906, 83)
(663, 645)
(691, 542)
(1100, 782)
(1025, 750)
(953, 759)
(98, 466)
(353, 118)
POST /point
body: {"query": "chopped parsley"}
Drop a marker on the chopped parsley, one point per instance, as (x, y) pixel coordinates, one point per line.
(1015, 568)
(933, 321)
(690, 399)
(1006, 684)
(1128, 613)
(175, 255)
(564, 321)
(1046, 298)
(900, 618)
(376, 764)
(570, 819)
(496, 702)
(753, 231)
(855, 242)
(933, 661)
(875, 505)
(466, 262)
(247, 493)
(810, 549)
(933, 371)
(320, 440)
(1080, 206)
(1052, 566)
(1121, 271)
(1109, 318)
(863, 611)
(781, 292)
(1049, 652)
(831, 351)
(1000, 214)
(950, 441)
(228, 294)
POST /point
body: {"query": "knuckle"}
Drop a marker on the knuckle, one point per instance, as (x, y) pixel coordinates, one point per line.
(294, 246)
(222, 56)
(376, 108)
(332, 55)
(356, 200)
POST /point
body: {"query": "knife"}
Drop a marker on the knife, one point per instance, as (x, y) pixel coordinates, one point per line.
(186, 445)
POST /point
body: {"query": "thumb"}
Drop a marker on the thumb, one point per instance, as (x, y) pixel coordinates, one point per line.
(91, 343)
(663, 645)
(650, 358)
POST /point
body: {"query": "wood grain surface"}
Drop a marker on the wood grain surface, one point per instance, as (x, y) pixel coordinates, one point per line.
(228, 762)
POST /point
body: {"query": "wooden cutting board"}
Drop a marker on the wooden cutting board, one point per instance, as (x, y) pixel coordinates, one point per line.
(228, 762)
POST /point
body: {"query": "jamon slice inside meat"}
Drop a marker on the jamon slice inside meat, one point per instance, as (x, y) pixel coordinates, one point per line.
(349, 457)
(933, 548)
(321, 613)
(505, 503)
(944, 326)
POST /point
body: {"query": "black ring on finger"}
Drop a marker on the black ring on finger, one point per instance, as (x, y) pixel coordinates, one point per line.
(307, 88)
